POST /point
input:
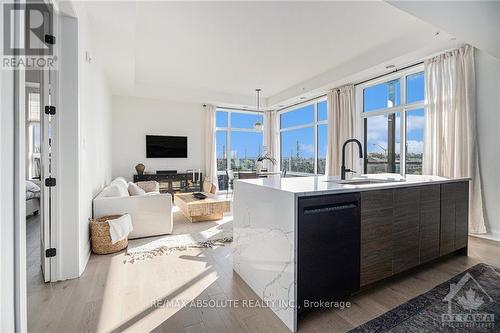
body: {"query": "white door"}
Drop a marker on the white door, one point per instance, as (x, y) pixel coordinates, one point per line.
(48, 125)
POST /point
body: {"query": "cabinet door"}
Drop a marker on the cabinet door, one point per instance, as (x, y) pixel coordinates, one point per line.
(430, 218)
(454, 216)
(461, 215)
(405, 230)
(376, 235)
(447, 237)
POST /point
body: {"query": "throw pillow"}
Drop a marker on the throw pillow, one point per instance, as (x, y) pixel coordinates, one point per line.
(149, 186)
(134, 190)
(111, 191)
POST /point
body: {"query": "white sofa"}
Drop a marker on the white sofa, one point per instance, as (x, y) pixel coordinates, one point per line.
(151, 213)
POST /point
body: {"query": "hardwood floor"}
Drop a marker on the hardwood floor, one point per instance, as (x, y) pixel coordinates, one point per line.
(114, 296)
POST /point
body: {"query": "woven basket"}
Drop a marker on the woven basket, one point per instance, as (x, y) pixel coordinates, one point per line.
(101, 238)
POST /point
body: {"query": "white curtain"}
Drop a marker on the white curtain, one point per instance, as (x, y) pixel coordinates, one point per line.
(210, 149)
(450, 143)
(341, 115)
(272, 139)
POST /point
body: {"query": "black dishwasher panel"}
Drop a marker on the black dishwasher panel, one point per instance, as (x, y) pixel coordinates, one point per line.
(329, 232)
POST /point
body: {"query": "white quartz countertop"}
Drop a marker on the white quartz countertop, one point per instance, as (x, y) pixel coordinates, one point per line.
(314, 185)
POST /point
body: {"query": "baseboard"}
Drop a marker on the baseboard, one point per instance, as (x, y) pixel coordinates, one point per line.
(489, 236)
(83, 264)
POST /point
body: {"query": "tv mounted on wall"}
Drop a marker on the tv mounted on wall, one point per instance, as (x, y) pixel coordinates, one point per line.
(158, 146)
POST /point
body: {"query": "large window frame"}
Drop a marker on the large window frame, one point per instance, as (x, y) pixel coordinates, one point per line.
(315, 124)
(403, 109)
(228, 129)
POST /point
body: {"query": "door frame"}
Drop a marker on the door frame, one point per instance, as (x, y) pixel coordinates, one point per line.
(17, 161)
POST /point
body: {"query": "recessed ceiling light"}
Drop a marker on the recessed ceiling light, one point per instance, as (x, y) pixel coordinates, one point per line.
(390, 66)
(303, 97)
(453, 38)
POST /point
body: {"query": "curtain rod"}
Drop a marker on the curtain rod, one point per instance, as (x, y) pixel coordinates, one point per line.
(302, 102)
(392, 72)
(236, 109)
(355, 84)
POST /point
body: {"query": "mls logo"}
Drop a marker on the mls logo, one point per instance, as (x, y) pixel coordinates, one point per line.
(34, 21)
(468, 305)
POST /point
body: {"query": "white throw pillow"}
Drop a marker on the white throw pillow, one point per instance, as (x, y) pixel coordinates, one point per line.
(115, 190)
(134, 190)
(122, 187)
(111, 191)
(119, 180)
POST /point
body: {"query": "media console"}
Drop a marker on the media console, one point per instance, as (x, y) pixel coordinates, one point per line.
(174, 182)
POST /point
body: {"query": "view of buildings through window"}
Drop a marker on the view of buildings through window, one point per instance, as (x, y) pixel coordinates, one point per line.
(393, 118)
(304, 138)
(238, 143)
(393, 115)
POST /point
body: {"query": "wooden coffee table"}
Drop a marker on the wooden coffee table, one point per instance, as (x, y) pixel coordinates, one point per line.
(210, 209)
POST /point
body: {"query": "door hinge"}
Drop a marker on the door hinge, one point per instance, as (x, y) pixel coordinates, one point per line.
(50, 109)
(50, 182)
(50, 252)
(50, 39)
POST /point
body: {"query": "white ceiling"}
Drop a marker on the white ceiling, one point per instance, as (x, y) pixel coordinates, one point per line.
(220, 52)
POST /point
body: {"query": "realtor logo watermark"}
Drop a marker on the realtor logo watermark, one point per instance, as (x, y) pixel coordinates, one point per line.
(466, 303)
(28, 41)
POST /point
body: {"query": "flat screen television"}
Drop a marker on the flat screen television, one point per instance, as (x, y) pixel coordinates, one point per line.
(159, 146)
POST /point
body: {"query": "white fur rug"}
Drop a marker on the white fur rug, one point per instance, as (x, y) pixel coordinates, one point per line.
(185, 235)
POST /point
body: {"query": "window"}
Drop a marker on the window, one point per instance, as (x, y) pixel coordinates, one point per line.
(238, 143)
(381, 96)
(393, 121)
(33, 132)
(322, 147)
(221, 144)
(303, 138)
(414, 141)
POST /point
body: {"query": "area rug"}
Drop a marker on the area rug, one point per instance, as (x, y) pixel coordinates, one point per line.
(468, 302)
(185, 235)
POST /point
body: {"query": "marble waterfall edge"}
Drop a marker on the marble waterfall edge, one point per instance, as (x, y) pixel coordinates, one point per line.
(264, 246)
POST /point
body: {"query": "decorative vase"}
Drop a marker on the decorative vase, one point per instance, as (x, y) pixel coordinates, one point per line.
(140, 168)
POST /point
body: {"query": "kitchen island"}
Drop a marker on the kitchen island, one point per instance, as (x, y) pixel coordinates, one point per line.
(300, 241)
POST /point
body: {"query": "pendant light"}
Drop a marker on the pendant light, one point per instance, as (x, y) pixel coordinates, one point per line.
(258, 123)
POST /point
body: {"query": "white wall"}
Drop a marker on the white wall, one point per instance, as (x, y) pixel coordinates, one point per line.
(133, 118)
(85, 142)
(66, 233)
(12, 195)
(488, 122)
(7, 316)
(476, 22)
(95, 133)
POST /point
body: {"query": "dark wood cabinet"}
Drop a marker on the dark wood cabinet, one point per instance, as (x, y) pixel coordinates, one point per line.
(174, 182)
(430, 217)
(462, 216)
(454, 217)
(404, 227)
(405, 230)
(447, 234)
(377, 213)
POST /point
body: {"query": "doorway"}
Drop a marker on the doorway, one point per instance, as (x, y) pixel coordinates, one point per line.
(41, 128)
